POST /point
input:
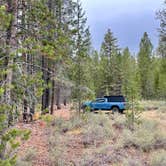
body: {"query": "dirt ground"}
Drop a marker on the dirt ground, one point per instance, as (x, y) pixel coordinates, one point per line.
(37, 141)
(39, 138)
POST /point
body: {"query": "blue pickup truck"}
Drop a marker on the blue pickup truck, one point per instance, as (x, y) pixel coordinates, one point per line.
(114, 103)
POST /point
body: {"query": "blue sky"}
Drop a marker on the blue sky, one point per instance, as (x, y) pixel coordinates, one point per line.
(128, 20)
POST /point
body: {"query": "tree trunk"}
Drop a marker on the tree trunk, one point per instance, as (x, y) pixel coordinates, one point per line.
(58, 91)
(53, 96)
(46, 78)
(11, 42)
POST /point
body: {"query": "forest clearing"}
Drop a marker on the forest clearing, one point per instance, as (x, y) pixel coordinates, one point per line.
(95, 139)
(82, 83)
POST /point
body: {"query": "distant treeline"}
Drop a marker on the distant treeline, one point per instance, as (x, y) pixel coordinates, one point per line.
(46, 57)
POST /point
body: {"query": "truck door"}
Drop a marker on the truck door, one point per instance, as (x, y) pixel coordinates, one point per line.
(99, 104)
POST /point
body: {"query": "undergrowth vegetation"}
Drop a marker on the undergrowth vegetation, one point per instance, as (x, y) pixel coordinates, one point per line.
(99, 139)
(26, 159)
(158, 158)
(151, 105)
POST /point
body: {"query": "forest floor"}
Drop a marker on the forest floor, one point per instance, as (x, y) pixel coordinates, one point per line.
(75, 146)
(38, 141)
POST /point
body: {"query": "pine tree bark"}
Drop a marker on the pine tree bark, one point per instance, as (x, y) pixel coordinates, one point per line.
(11, 43)
(53, 96)
(58, 92)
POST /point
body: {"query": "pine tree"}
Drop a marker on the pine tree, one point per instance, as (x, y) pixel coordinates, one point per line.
(95, 73)
(145, 64)
(162, 51)
(161, 15)
(8, 54)
(130, 80)
(81, 48)
(110, 62)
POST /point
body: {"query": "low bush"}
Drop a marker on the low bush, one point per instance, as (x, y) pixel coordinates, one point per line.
(162, 108)
(58, 145)
(97, 129)
(97, 119)
(119, 121)
(26, 160)
(57, 156)
(95, 159)
(160, 137)
(130, 161)
(145, 137)
(47, 118)
(150, 125)
(102, 155)
(64, 126)
(158, 158)
(124, 140)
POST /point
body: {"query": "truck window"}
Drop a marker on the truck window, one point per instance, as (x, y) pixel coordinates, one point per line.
(100, 100)
(115, 98)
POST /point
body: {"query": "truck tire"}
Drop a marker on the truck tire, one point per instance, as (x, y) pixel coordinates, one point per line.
(115, 109)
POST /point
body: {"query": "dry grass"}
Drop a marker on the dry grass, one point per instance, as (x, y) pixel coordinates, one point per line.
(151, 105)
(145, 137)
(105, 140)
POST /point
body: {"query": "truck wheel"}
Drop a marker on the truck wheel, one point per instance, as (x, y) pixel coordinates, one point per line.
(115, 109)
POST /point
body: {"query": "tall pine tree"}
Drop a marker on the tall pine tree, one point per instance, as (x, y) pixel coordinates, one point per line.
(145, 64)
(110, 62)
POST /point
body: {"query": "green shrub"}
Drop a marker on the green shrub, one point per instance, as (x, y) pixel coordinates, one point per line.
(158, 158)
(47, 118)
(9, 144)
(133, 116)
